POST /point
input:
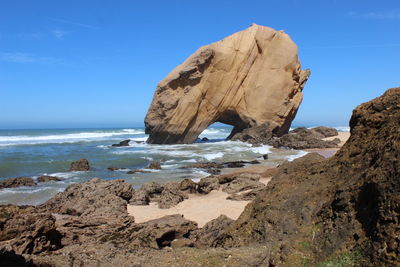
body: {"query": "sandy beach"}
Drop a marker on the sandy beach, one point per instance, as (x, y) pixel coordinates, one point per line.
(329, 152)
(204, 208)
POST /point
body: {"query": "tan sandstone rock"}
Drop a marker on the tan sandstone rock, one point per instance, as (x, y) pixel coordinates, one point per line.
(248, 79)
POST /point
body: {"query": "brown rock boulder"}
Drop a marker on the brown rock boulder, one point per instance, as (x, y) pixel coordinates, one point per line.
(303, 138)
(17, 182)
(27, 232)
(315, 210)
(248, 79)
(80, 165)
(48, 178)
(161, 232)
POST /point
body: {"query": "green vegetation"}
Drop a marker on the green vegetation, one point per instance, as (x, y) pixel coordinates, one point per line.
(343, 260)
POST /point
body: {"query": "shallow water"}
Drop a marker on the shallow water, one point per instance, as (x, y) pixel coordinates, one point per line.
(50, 152)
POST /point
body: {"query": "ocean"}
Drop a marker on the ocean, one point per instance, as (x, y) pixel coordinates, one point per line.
(50, 152)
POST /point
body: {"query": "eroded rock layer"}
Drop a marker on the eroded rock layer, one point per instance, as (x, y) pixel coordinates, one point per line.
(348, 207)
(248, 79)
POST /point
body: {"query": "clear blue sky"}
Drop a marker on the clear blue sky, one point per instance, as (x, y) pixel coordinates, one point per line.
(97, 63)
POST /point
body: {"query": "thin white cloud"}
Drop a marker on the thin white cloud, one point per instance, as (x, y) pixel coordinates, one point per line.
(59, 34)
(24, 58)
(377, 15)
(75, 23)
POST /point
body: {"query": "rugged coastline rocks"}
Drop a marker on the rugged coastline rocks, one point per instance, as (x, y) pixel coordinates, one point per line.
(314, 212)
(252, 78)
(122, 143)
(303, 138)
(345, 205)
(48, 178)
(80, 165)
(17, 182)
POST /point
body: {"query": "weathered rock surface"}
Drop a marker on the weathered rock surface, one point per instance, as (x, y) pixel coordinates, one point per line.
(248, 79)
(122, 143)
(27, 231)
(303, 138)
(155, 165)
(48, 178)
(80, 165)
(316, 209)
(17, 182)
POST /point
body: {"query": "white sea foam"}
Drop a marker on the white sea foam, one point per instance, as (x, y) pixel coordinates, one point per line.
(342, 128)
(299, 154)
(261, 149)
(212, 156)
(140, 139)
(63, 138)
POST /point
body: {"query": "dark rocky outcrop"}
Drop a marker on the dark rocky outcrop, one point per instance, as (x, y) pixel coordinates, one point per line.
(80, 165)
(28, 231)
(17, 182)
(48, 178)
(155, 165)
(122, 143)
(314, 212)
(314, 209)
(137, 171)
(303, 138)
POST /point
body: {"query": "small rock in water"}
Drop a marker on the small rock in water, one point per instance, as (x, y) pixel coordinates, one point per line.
(80, 165)
(136, 171)
(48, 178)
(122, 143)
(17, 182)
(113, 168)
(204, 139)
(265, 156)
(155, 165)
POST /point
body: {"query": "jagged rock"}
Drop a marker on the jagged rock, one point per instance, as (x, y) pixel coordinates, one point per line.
(255, 135)
(245, 196)
(26, 231)
(303, 138)
(325, 131)
(122, 143)
(48, 178)
(250, 78)
(140, 198)
(207, 184)
(17, 182)
(239, 164)
(188, 185)
(80, 165)
(153, 189)
(339, 205)
(161, 232)
(180, 243)
(205, 236)
(95, 197)
(204, 165)
(138, 171)
(170, 196)
(204, 139)
(243, 182)
(113, 168)
(155, 165)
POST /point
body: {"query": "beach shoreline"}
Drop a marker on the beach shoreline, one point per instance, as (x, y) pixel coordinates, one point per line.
(204, 208)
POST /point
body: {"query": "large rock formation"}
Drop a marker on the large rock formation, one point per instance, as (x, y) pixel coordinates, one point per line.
(250, 79)
(348, 207)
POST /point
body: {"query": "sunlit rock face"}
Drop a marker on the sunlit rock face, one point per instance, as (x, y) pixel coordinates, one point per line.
(248, 79)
